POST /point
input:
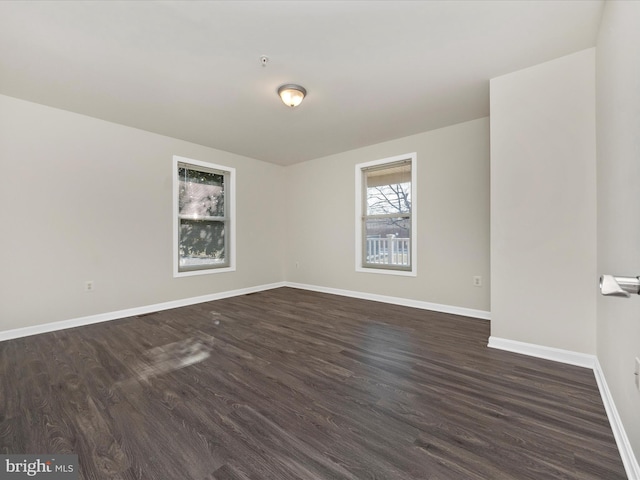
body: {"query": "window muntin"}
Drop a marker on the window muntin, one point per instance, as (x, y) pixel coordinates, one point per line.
(203, 217)
(385, 215)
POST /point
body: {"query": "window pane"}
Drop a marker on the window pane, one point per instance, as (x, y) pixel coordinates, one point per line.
(202, 243)
(385, 199)
(388, 241)
(388, 189)
(201, 194)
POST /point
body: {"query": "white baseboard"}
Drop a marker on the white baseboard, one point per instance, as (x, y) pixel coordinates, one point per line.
(588, 361)
(406, 302)
(131, 312)
(622, 440)
(548, 353)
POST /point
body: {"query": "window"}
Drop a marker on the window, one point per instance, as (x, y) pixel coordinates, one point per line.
(204, 217)
(386, 216)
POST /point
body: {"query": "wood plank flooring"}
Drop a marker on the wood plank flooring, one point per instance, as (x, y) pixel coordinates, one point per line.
(290, 384)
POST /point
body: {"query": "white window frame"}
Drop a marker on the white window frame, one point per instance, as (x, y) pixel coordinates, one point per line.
(412, 157)
(230, 229)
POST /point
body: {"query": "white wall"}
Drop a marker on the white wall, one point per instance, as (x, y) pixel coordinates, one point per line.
(84, 199)
(453, 218)
(618, 113)
(543, 204)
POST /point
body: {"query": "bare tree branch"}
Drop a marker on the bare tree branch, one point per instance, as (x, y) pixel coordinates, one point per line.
(389, 199)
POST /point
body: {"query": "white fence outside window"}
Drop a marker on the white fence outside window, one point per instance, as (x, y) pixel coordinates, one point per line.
(388, 251)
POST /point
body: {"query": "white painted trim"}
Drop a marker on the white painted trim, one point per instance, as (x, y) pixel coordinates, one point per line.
(414, 216)
(131, 312)
(385, 271)
(624, 446)
(588, 361)
(548, 353)
(406, 302)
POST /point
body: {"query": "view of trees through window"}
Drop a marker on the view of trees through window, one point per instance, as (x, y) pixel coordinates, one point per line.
(202, 218)
(389, 200)
(387, 220)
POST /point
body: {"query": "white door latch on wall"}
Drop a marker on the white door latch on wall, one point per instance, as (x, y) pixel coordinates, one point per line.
(619, 286)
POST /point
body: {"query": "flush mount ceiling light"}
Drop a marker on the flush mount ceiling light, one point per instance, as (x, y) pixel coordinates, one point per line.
(291, 94)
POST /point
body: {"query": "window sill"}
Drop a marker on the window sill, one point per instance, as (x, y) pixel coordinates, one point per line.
(386, 271)
(204, 272)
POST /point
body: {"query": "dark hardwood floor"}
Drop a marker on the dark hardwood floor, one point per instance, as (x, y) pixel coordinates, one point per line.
(290, 384)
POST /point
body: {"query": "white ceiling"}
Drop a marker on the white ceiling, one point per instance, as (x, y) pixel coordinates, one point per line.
(374, 70)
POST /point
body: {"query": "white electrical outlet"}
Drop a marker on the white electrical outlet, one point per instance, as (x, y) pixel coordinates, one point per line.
(477, 281)
(637, 373)
(89, 286)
